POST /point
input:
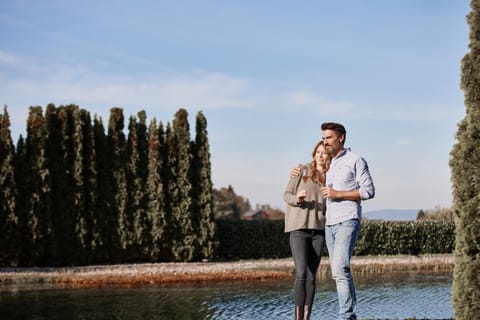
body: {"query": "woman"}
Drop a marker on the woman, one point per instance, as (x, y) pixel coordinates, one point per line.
(305, 220)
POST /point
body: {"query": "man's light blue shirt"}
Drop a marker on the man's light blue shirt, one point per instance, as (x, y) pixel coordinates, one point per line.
(348, 171)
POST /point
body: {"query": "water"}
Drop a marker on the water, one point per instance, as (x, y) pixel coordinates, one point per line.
(379, 297)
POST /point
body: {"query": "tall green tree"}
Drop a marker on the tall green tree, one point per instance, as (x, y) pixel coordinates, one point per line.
(465, 167)
(202, 192)
(157, 218)
(8, 218)
(107, 222)
(92, 240)
(64, 145)
(141, 221)
(76, 177)
(39, 207)
(136, 179)
(180, 188)
(56, 154)
(22, 199)
(167, 175)
(117, 157)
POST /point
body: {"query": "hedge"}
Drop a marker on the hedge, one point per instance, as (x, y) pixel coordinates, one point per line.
(266, 239)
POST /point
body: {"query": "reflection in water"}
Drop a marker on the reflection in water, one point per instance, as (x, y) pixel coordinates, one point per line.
(399, 296)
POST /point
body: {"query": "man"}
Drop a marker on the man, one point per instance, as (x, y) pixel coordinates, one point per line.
(348, 182)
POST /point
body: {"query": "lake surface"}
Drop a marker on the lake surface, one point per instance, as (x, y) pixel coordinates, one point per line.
(399, 296)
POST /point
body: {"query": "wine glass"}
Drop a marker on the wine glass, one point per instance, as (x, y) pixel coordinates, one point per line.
(304, 174)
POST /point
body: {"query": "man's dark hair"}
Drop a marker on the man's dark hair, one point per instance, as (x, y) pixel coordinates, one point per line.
(337, 127)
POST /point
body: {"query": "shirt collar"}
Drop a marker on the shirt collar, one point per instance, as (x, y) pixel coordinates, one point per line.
(341, 153)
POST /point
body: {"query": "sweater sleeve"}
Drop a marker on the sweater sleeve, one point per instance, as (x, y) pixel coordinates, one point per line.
(290, 194)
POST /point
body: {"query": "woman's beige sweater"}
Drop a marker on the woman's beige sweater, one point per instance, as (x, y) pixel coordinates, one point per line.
(309, 214)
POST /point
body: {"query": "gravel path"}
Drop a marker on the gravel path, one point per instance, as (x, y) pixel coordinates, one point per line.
(149, 273)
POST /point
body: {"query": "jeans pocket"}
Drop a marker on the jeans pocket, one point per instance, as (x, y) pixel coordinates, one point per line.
(350, 223)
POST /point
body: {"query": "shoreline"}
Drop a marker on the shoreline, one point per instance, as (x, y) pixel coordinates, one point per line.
(242, 270)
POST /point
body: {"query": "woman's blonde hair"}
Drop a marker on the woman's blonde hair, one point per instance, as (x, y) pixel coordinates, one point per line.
(315, 175)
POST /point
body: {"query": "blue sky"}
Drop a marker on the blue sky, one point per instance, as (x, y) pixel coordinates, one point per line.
(266, 74)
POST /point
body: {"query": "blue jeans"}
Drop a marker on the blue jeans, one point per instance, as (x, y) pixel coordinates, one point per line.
(341, 239)
(307, 248)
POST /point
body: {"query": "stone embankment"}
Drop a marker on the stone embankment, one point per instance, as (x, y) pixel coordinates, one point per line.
(156, 273)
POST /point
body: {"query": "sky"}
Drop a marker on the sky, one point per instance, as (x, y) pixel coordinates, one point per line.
(265, 74)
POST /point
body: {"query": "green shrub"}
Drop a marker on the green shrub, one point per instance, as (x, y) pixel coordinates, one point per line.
(266, 239)
(405, 237)
(251, 239)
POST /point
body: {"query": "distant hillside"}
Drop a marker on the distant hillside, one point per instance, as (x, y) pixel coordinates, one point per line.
(391, 214)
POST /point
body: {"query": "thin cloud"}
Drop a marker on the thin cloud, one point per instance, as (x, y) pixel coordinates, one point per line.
(40, 83)
(76, 84)
(310, 102)
(415, 111)
(60, 83)
(8, 60)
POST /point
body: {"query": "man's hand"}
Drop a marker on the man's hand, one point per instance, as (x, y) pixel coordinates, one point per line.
(328, 192)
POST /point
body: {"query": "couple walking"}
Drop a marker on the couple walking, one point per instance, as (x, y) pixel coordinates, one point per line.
(324, 206)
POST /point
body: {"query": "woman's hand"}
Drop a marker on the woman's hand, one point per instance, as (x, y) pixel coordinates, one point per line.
(301, 194)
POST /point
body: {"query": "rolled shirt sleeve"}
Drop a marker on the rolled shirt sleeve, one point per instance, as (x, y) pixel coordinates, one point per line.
(365, 181)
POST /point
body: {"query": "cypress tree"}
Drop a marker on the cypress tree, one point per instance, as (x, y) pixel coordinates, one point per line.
(38, 210)
(116, 155)
(8, 218)
(133, 190)
(62, 145)
(141, 223)
(203, 216)
(157, 217)
(465, 167)
(136, 180)
(23, 231)
(65, 161)
(56, 155)
(74, 147)
(107, 223)
(90, 191)
(180, 188)
(166, 172)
